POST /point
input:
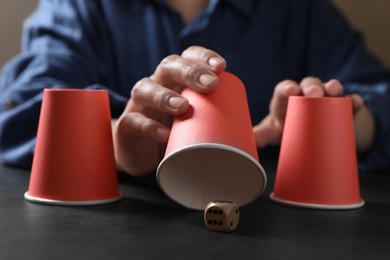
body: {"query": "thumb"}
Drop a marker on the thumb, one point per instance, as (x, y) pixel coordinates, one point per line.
(268, 131)
(357, 102)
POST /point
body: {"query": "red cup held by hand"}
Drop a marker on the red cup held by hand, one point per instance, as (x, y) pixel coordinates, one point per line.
(211, 153)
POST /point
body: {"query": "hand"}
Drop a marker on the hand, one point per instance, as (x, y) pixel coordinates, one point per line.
(141, 132)
(270, 129)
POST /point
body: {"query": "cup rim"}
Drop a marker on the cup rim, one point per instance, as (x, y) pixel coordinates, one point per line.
(317, 205)
(48, 201)
(243, 154)
(319, 98)
(73, 90)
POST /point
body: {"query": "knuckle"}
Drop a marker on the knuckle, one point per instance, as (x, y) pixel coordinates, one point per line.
(146, 127)
(199, 54)
(160, 99)
(205, 56)
(134, 123)
(167, 61)
(137, 88)
(166, 65)
(126, 124)
(311, 80)
(285, 84)
(191, 73)
(190, 50)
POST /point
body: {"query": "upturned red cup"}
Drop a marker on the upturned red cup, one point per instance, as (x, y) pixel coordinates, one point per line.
(317, 165)
(74, 160)
(211, 153)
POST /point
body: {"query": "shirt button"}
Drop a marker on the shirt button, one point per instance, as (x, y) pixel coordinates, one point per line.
(9, 104)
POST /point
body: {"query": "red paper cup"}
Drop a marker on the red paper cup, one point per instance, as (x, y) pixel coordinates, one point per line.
(74, 160)
(317, 165)
(211, 153)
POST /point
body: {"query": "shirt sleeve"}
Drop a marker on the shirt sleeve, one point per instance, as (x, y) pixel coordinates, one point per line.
(64, 46)
(336, 50)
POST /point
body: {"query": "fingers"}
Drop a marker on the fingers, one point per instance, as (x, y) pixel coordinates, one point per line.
(141, 132)
(357, 102)
(150, 94)
(135, 124)
(176, 72)
(268, 131)
(333, 88)
(196, 68)
(279, 101)
(158, 98)
(206, 57)
(312, 87)
(309, 86)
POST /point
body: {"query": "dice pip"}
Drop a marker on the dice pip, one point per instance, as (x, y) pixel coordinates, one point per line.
(222, 216)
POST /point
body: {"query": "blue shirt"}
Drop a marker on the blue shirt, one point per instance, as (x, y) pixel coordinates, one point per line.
(105, 44)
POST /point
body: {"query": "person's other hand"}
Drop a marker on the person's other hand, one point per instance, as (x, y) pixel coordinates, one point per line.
(141, 132)
(269, 130)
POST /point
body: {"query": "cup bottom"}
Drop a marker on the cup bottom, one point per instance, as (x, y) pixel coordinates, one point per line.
(197, 174)
(69, 203)
(317, 206)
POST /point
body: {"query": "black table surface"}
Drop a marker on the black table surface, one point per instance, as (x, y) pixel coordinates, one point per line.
(147, 225)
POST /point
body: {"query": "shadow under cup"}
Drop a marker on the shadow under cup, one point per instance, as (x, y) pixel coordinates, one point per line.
(317, 165)
(74, 160)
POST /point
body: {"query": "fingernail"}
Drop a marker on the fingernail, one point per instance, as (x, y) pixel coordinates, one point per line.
(175, 102)
(214, 62)
(206, 79)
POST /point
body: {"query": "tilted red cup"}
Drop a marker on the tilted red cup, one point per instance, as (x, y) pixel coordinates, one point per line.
(211, 153)
(317, 165)
(74, 160)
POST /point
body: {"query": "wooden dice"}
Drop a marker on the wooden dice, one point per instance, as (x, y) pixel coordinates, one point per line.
(222, 216)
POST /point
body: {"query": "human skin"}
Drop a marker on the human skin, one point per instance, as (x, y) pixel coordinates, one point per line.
(141, 132)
